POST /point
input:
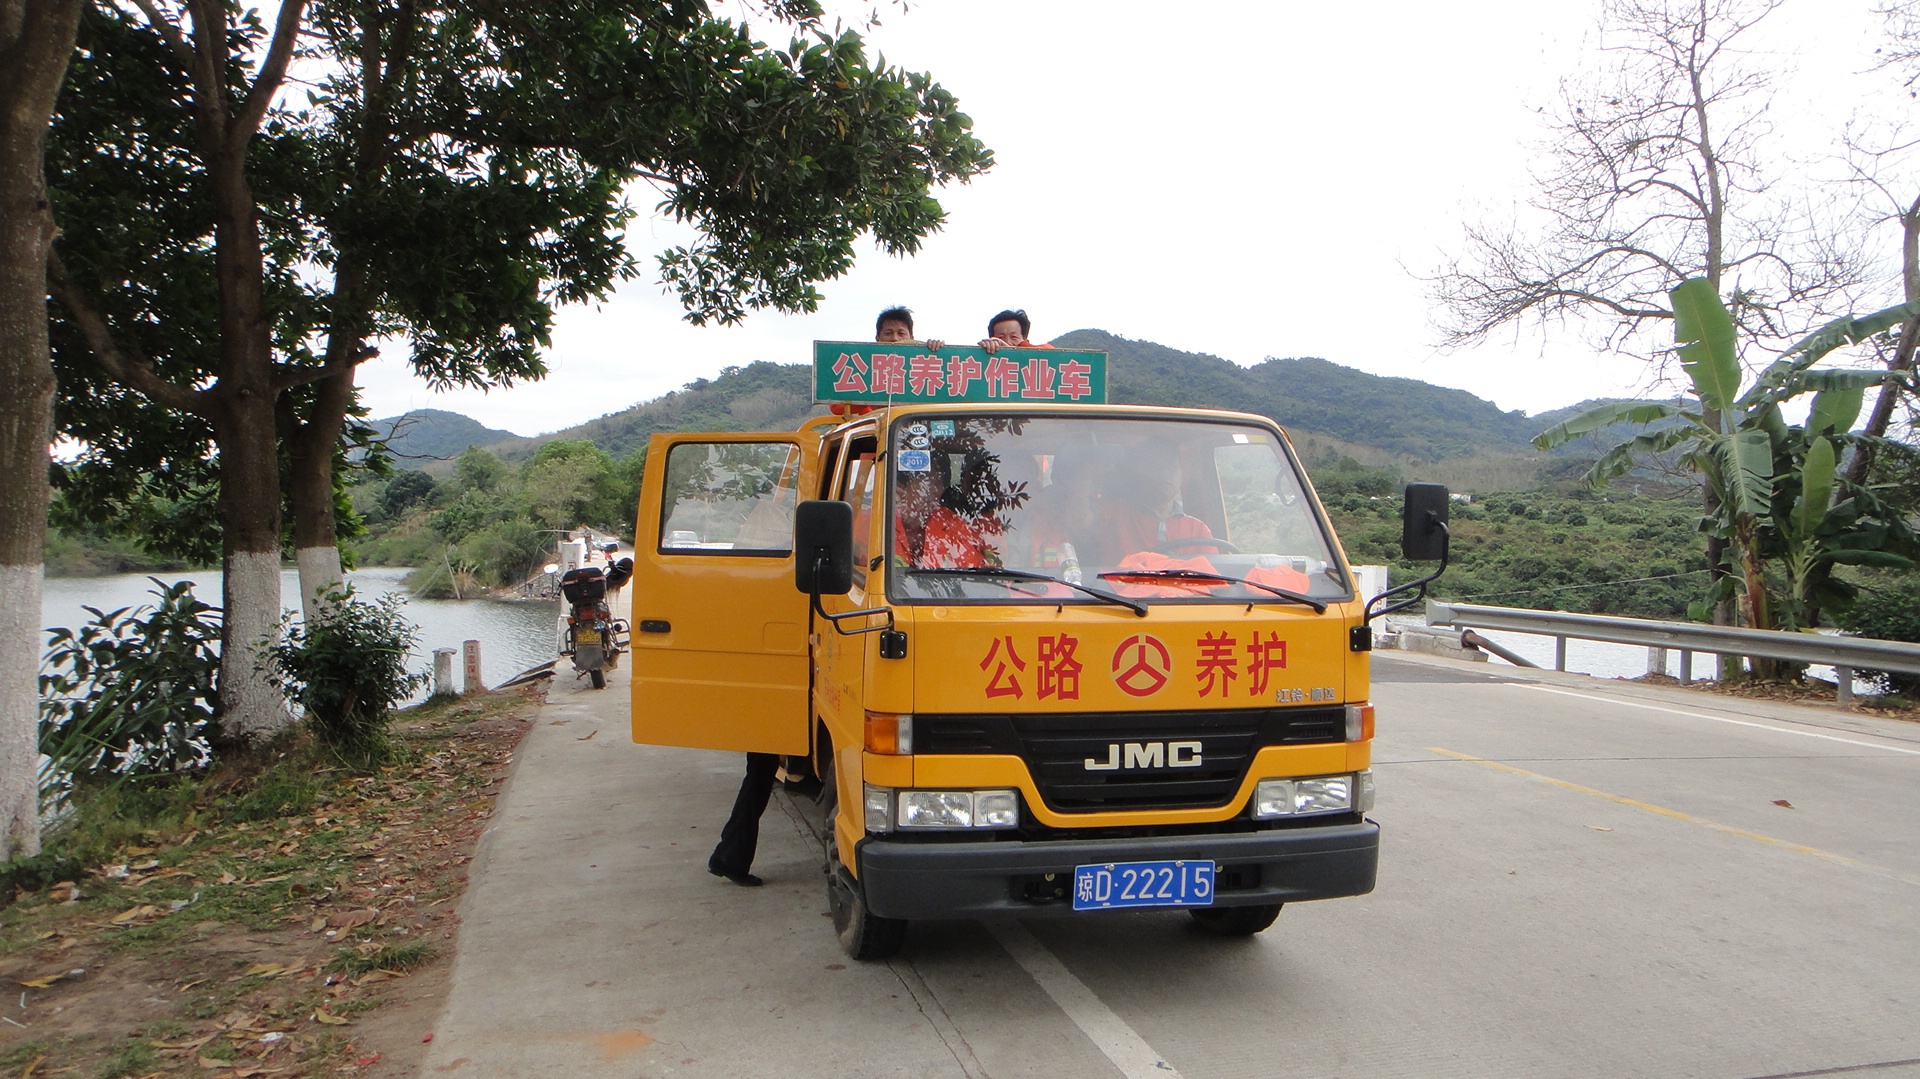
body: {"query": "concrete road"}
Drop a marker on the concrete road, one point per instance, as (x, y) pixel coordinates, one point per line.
(1578, 878)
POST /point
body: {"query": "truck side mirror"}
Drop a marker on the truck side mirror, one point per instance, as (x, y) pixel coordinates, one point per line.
(823, 548)
(1423, 522)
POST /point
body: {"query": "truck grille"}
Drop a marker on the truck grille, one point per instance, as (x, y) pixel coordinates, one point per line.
(1057, 748)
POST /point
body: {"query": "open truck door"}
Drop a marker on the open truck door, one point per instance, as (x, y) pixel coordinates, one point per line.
(720, 642)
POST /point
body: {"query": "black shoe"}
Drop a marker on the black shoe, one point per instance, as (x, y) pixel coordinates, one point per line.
(809, 787)
(744, 880)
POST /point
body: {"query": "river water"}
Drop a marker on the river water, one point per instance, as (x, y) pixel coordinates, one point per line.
(513, 635)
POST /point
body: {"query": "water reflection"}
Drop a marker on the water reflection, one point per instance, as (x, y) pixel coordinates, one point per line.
(513, 636)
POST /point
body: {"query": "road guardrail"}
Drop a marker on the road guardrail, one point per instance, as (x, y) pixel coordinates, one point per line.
(1845, 654)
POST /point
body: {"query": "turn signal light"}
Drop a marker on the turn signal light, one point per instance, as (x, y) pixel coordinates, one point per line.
(889, 733)
(1360, 722)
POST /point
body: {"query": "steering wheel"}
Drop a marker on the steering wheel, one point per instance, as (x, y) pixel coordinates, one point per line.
(1173, 546)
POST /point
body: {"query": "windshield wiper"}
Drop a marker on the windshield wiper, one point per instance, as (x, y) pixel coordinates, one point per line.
(1204, 575)
(1024, 575)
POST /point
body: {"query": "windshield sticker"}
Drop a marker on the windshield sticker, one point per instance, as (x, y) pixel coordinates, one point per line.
(916, 461)
(942, 428)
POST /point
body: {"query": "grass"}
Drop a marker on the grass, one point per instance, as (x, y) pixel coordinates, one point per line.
(130, 1057)
(394, 957)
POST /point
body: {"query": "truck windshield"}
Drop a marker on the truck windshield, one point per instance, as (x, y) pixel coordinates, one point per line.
(1150, 510)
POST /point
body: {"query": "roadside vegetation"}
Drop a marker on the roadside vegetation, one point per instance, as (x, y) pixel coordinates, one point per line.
(491, 525)
(275, 915)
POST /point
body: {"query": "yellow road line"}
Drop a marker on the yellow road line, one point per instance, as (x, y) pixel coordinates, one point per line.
(1728, 829)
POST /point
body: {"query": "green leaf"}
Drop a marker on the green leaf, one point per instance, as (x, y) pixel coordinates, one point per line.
(1849, 557)
(1705, 332)
(1748, 456)
(1601, 416)
(1816, 487)
(1835, 410)
(1848, 331)
(1621, 458)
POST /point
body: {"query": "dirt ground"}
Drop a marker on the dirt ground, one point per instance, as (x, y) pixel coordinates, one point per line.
(310, 944)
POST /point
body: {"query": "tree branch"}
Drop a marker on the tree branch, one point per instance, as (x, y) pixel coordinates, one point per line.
(286, 377)
(272, 73)
(167, 30)
(133, 371)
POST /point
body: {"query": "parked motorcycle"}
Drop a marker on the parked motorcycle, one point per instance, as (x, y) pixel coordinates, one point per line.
(595, 638)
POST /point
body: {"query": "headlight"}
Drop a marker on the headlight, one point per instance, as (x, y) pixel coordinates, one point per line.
(1305, 797)
(954, 809)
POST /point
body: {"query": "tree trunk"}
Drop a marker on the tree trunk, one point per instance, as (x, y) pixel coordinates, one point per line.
(243, 423)
(311, 446)
(1881, 417)
(36, 41)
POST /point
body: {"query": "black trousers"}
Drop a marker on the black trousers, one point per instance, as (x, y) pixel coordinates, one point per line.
(741, 835)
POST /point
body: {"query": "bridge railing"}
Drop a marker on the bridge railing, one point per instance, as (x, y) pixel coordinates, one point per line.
(1844, 654)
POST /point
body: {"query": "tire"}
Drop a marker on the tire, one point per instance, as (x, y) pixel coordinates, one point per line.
(599, 678)
(1235, 921)
(864, 936)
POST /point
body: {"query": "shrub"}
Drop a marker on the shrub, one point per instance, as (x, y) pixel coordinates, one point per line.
(1890, 611)
(132, 692)
(348, 669)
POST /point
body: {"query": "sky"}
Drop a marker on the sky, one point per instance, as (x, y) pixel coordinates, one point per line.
(1250, 180)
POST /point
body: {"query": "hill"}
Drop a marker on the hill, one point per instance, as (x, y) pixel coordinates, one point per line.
(427, 433)
(1331, 411)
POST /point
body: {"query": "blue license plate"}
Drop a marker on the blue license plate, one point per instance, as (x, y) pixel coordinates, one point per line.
(1143, 884)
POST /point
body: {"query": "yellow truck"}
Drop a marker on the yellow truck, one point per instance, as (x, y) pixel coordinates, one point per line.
(1043, 654)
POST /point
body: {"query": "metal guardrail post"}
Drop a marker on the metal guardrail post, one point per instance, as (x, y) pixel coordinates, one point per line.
(1559, 653)
(1686, 667)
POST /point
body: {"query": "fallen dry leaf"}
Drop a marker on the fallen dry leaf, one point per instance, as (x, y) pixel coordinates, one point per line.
(228, 878)
(268, 969)
(134, 914)
(319, 922)
(42, 983)
(1783, 803)
(352, 918)
(324, 1016)
(590, 734)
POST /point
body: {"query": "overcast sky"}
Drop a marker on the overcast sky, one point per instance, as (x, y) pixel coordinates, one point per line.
(1252, 180)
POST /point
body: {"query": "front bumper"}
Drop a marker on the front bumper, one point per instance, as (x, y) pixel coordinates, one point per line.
(963, 880)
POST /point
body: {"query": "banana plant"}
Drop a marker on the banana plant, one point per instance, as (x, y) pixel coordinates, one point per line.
(1746, 452)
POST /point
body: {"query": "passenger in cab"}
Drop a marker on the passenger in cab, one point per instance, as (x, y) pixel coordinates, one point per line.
(1009, 329)
(1061, 526)
(962, 529)
(895, 327)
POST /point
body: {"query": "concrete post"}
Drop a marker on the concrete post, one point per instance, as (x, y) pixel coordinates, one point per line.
(1843, 685)
(474, 683)
(1656, 660)
(442, 672)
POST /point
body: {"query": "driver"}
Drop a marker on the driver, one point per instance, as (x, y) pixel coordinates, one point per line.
(1149, 516)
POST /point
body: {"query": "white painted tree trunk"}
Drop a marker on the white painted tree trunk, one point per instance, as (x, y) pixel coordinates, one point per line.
(319, 572)
(254, 708)
(19, 711)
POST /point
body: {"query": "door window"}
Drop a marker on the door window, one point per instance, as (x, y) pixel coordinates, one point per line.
(730, 498)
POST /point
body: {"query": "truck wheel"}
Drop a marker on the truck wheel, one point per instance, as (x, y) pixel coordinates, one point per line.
(1235, 921)
(599, 678)
(863, 935)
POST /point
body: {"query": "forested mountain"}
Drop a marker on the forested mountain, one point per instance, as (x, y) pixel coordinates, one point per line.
(431, 432)
(1332, 411)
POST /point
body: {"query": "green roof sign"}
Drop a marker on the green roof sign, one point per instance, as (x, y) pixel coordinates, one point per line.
(910, 374)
